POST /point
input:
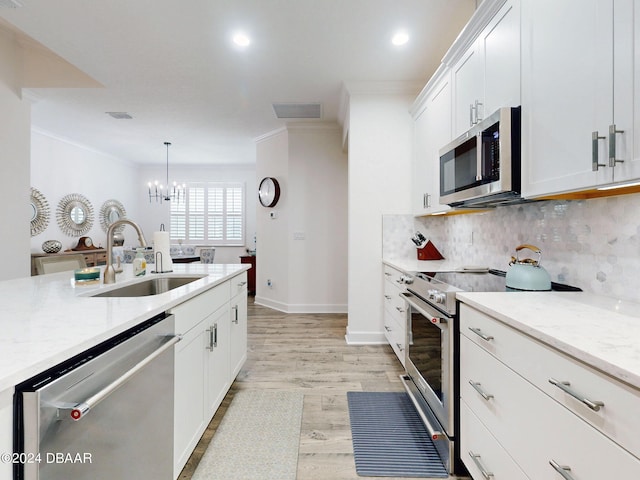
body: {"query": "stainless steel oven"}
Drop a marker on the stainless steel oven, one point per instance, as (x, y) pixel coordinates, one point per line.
(432, 373)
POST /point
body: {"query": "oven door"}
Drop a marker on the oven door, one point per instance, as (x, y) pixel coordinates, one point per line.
(429, 358)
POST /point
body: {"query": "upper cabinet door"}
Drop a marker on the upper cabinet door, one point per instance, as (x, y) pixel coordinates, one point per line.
(567, 94)
(499, 45)
(431, 132)
(487, 75)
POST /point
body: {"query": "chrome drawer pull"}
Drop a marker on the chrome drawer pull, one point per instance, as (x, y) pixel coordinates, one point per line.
(478, 332)
(401, 310)
(388, 297)
(563, 470)
(476, 386)
(564, 386)
(400, 347)
(387, 328)
(476, 459)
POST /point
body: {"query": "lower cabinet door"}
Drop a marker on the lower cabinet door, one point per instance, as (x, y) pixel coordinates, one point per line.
(217, 343)
(189, 419)
(238, 352)
(483, 456)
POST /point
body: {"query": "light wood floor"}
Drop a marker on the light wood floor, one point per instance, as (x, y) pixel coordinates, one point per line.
(308, 353)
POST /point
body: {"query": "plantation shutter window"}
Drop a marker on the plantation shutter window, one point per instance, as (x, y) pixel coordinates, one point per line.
(212, 214)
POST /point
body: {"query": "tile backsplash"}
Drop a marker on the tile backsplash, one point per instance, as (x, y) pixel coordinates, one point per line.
(593, 244)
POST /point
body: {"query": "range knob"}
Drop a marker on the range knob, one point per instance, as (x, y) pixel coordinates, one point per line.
(436, 296)
(405, 279)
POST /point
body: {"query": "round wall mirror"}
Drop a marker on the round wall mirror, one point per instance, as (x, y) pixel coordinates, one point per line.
(75, 214)
(39, 212)
(112, 211)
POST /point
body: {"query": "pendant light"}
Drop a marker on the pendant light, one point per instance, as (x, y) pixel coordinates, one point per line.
(165, 192)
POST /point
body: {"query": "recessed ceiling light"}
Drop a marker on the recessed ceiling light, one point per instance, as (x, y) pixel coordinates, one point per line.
(400, 38)
(241, 39)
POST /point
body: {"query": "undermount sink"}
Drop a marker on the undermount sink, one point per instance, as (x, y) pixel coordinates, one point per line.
(153, 286)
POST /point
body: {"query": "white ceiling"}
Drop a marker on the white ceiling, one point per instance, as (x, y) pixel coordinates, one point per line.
(172, 66)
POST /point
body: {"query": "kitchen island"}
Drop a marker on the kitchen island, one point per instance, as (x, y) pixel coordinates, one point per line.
(48, 319)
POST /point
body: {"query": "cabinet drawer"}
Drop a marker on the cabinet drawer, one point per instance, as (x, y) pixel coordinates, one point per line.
(392, 299)
(540, 363)
(239, 284)
(396, 335)
(189, 313)
(490, 457)
(534, 428)
(395, 276)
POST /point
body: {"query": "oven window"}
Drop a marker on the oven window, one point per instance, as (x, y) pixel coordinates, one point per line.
(426, 351)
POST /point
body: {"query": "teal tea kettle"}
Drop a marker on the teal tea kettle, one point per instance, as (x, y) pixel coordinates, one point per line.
(527, 274)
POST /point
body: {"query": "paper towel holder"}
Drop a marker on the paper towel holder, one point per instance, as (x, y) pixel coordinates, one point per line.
(159, 262)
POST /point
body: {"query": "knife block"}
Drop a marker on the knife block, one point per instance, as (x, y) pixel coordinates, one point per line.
(429, 252)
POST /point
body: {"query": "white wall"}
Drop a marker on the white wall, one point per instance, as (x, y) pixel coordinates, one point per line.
(303, 250)
(272, 257)
(379, 183)
(60, 167)
(318, 186)
(152, 214)
(15, 124)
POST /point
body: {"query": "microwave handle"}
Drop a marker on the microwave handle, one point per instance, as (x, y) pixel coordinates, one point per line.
(478, 156)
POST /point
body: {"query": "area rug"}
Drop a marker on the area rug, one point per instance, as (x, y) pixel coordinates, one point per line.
(258, 438)
(389, 438)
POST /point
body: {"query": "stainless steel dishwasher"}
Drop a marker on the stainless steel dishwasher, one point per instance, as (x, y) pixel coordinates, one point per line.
(104, 414)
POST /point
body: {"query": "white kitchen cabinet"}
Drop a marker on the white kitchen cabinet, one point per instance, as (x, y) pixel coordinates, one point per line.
(431, 132)
(486, 76)
(578, 83)
(395, 311)
(6, 431)
(238, 325)
(533, 425)
(212, 350)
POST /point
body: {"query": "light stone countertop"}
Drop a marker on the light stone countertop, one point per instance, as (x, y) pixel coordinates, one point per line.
(598, 331)
(47, 319)
(414, 265)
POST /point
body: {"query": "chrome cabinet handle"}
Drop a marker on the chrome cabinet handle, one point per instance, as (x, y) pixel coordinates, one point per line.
(426, 200)
(594, 405)
(476, 459)
(471, 123)
(478, 117)
(235, 309)
(483, 336)
(400, 347)
(401, 310)
(476, 387)
(387, 274)
(242, 284)
(595, 165)
(387, 328)
(79, 410)
(388, 297)
(213, 337)
(612, 145)
(563, 470)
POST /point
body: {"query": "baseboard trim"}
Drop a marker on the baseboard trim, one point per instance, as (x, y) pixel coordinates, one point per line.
(365, 338)
(300, 308)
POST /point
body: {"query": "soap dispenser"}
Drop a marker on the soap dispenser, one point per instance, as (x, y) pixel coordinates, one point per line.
(139, 263)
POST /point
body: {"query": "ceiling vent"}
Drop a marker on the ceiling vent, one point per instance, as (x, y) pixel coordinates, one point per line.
(298, 110)
(10, 4)
(118, 115)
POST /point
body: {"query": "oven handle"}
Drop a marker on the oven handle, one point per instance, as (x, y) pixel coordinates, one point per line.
(433, 433)
(423, 307)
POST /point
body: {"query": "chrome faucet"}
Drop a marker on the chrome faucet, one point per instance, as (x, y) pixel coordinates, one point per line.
(109, 271)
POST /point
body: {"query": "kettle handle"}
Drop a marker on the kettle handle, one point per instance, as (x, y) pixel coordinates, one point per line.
(533, 248)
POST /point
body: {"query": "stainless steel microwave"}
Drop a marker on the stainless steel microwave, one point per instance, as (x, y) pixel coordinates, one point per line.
(482, 166)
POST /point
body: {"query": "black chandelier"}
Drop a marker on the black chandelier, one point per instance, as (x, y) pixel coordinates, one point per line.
(166, 192)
